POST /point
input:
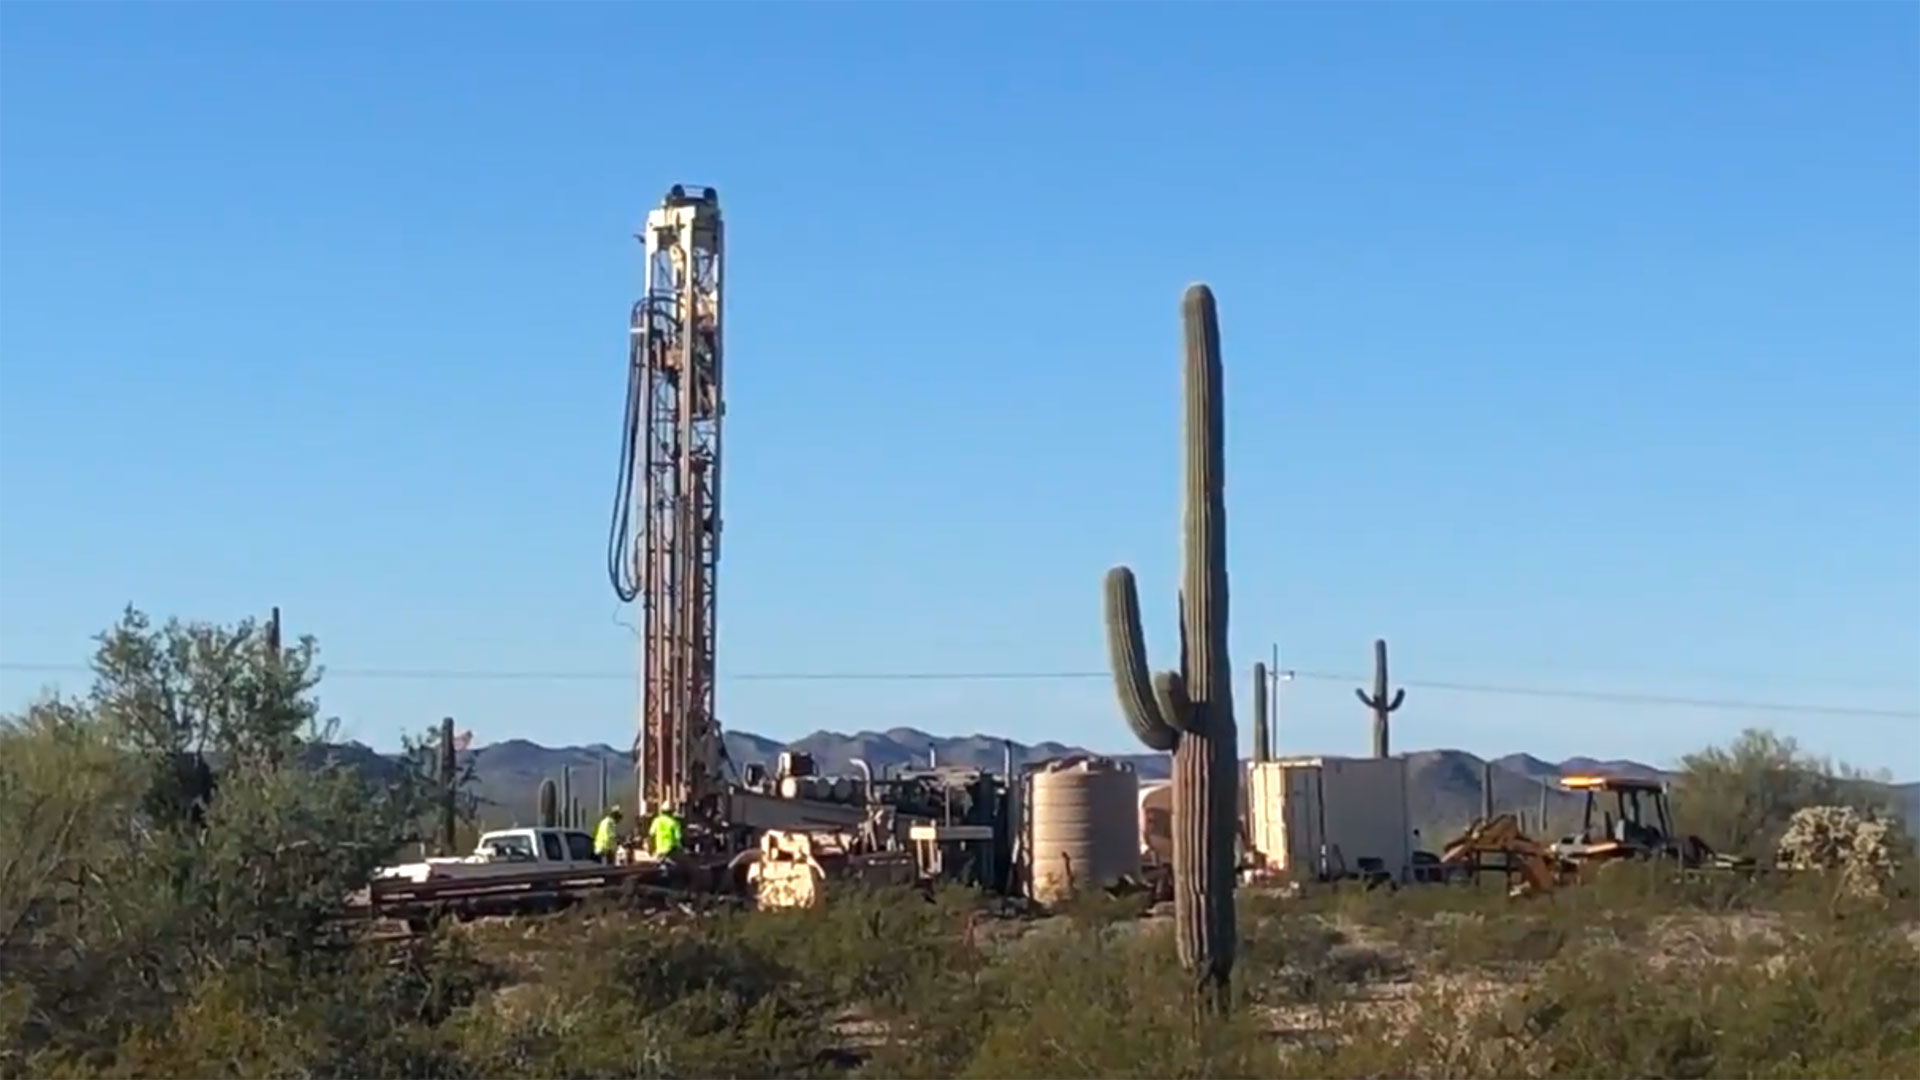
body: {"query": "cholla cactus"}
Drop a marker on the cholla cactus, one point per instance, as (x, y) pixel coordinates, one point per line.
(1839, 838)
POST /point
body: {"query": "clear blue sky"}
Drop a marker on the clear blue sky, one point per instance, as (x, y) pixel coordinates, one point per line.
(1572, 346)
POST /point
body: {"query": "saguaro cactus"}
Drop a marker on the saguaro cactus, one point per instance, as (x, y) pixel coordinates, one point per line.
(1262, 734)
(1189, 711)
(1378, 701)
(549, 804)
(449, 781)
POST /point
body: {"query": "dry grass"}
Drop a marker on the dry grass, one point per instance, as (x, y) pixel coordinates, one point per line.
(1638, 977)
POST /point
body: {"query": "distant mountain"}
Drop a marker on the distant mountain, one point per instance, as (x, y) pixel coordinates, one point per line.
(1443, 786)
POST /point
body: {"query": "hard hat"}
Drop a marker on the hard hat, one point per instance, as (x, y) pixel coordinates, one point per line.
(614, 812)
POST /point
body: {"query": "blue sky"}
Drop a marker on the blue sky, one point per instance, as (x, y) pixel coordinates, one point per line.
(1567, 345)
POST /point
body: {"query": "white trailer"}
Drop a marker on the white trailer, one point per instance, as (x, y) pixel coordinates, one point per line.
(1322, 818)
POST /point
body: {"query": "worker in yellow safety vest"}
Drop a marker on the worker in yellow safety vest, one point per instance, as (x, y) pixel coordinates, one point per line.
(665, 832)
(606, 836)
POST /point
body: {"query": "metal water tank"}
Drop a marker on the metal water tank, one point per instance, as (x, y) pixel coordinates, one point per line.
(1083, 826)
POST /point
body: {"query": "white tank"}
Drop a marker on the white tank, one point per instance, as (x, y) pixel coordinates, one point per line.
(1083, 824)
(790, 787)
(1156, 822)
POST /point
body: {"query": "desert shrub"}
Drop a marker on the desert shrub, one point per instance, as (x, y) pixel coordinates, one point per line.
(176, 839)
(1740, 798)
(1815, 998)
(1109, 1002)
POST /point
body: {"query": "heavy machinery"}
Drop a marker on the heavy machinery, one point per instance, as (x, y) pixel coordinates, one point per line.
(663, 546)
(663, 553)
(1537, 869)
(1629, 817)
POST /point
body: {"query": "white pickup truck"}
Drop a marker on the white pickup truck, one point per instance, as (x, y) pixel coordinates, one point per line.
(501, 852)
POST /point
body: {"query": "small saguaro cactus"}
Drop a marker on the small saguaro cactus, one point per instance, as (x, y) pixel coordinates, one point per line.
(566, 796)
(1262, 734)
(1486, 791)
(549, 804)
(449, 784)
(1189, 711)
(1378, 701)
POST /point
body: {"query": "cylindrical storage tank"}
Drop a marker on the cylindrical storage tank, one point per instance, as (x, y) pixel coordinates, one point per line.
(790, 787)
(1084, 826)
(1156, 822)
(842, 789)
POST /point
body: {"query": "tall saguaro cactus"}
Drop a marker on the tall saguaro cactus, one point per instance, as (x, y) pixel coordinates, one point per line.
(1189, 711)
(1378, 701)
(1262, 734)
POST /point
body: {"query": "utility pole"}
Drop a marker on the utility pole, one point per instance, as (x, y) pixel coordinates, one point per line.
(1277, 676)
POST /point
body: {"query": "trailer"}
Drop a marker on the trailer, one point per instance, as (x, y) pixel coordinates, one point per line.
(1331, 818)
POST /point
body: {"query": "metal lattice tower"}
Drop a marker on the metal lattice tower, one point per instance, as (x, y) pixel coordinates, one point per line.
(672, 447)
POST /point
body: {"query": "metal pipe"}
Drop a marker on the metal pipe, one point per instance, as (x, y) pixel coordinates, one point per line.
(866, 773)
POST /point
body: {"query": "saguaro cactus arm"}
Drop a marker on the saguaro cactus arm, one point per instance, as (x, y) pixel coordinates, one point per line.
(1372, 702)
(1155, 705)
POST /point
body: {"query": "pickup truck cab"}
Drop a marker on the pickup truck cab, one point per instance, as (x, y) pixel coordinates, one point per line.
(503, 852)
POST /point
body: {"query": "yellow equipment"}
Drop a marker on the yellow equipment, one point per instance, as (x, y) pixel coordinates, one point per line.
(1538, 869)
(794, 867)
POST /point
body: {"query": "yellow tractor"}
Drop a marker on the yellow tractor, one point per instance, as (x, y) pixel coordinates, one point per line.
(1629, 817)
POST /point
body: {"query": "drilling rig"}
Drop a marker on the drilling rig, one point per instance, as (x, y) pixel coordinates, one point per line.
(663, 547)
(669, 557)
(663, 553)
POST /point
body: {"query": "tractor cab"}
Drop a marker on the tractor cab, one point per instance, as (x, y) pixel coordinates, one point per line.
(1625, 817)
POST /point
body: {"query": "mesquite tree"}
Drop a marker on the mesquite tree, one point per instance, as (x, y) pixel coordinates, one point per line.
(1189, 711)
(1381, 704)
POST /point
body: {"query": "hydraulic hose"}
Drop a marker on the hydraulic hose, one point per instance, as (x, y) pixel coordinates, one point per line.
(621, 537)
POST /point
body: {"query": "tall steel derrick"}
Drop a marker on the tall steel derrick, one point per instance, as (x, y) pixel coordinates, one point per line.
(670, 480)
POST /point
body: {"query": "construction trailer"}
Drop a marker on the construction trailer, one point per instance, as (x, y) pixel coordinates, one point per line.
(1331, 818)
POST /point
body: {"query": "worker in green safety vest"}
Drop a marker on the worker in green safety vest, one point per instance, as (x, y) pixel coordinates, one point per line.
(606, 836)
(665, 832)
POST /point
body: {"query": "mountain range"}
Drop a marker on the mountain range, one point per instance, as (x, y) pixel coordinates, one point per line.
(1443, 785)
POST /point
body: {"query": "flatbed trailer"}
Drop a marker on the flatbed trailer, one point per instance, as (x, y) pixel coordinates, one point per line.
(543, 890)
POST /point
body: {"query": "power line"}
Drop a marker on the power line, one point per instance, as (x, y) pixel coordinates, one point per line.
(1560, 693)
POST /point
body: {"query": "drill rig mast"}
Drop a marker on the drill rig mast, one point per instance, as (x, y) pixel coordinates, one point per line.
(671, 453)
